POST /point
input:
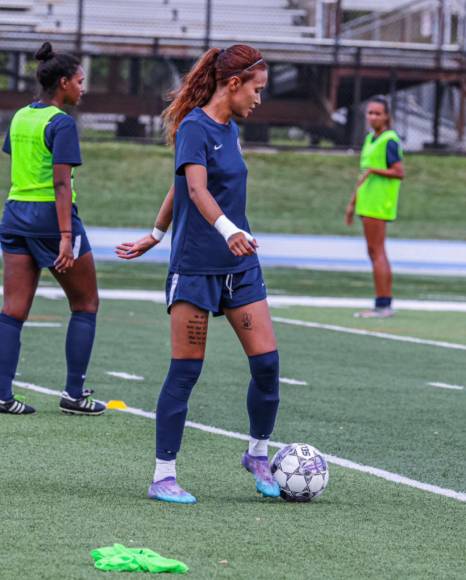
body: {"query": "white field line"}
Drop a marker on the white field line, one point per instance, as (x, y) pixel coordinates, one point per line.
(357, 303)
(358, 331)
(137, 295)
(381, 473)
(43, 324)
(274, 300)
(37, 388)
(292, 381)
(447, 386)
(126, 376)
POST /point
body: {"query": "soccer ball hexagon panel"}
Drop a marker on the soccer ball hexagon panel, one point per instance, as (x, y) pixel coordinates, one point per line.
(301, 472)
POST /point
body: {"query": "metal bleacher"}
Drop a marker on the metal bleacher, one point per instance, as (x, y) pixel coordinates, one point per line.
(325, 55)
(142, 21)
(414, 21)
(285, 30)
(16, 14)
(373, 6)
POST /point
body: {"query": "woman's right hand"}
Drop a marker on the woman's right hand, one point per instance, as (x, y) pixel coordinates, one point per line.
(131, 250)
(349, 214)
(363, 178)
(240, 246)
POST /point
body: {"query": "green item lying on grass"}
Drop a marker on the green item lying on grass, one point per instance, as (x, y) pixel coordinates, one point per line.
(119, 558)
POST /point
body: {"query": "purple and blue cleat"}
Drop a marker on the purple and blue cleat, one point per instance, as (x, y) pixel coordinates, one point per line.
(260, 469)
(168, 490)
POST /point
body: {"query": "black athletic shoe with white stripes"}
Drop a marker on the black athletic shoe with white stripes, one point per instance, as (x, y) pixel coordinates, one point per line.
(82, 406)
(16, 406)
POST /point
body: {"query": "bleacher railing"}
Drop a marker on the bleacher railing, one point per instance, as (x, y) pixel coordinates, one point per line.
(434, 23)
(108, 25)
(120, 40)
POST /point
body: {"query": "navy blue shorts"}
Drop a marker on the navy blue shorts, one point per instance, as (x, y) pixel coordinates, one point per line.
(44, 250)
(215, 292)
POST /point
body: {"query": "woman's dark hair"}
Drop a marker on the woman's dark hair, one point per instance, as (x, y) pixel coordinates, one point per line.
(381, 100)
(54, 66)
(215, 67)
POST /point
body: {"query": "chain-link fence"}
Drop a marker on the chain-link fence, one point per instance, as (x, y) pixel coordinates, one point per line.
(327, 57)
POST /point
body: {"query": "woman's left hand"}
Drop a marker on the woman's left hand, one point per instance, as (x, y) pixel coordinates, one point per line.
(65, 258)
(131, 250)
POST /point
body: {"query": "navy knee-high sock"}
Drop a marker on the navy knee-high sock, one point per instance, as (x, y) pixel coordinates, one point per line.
(263, 394)
(172, 406)
(10, 332)
(79, 342)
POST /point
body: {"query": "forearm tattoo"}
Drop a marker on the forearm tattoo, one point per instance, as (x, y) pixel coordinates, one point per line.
(197, 329)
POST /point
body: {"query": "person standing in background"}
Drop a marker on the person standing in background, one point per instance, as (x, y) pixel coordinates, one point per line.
(375, 199)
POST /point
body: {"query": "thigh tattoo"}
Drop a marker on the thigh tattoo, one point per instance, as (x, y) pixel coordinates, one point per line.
(197, 329)
(246, 321)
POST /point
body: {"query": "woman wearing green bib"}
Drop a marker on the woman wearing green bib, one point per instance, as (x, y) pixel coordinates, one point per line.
(375, 199)
(41, 228)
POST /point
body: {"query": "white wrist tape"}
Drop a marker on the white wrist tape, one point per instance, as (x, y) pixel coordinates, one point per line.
(227, 228)
(157, 234)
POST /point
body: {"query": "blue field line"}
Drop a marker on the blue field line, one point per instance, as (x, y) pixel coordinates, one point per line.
(162, 256)
(335, 262)
(323, 238)
(338, 253)
(299, 238)
(105, 254)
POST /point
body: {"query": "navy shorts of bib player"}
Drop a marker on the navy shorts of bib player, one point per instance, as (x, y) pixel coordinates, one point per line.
(213, 265)
(41, 228)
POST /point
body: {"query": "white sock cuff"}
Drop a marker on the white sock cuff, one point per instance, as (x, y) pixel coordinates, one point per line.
(164, 469)
(258, 447)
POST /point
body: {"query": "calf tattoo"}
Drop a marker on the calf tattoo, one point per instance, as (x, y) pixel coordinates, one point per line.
(246, 321)
(197, 329)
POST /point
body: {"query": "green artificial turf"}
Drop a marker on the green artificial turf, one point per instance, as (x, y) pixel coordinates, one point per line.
(366, 399)
(72, 484)
(122, 184)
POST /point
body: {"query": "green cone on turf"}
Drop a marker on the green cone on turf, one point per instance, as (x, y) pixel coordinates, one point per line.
(119, 558)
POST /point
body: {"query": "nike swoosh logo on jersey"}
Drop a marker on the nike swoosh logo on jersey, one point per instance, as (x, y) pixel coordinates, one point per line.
(217, 147)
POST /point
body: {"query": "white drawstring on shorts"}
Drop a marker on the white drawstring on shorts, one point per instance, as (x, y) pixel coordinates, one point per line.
(229, 284)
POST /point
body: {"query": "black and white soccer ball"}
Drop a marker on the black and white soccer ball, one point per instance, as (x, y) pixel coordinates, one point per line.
(301, 472)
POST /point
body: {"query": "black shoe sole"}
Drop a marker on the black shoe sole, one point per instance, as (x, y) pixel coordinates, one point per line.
(17, 414)
(87, 413)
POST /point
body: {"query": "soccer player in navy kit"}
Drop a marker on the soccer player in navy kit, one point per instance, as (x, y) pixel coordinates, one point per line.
(214, 265)
(41, 228)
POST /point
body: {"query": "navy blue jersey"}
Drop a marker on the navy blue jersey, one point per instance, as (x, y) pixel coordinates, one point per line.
(197, 247)
(393, 153)
(39, 219)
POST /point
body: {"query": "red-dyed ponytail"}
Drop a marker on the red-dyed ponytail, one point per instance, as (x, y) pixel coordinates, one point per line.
(214, 67)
